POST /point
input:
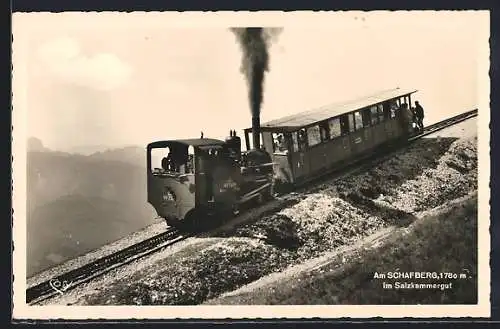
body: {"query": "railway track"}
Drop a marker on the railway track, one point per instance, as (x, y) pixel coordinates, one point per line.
(445, 123)
(78, 276)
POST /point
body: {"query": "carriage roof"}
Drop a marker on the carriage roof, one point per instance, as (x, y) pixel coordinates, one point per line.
(295, 121)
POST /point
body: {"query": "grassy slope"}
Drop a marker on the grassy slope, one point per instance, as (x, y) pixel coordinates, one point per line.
(440, 243)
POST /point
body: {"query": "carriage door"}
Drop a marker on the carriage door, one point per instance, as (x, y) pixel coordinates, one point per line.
(298, 157)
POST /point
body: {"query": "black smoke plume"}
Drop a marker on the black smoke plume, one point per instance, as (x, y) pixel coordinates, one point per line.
(254, 43)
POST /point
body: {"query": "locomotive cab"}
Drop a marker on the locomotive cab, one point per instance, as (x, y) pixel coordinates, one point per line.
(171, 179)
(189, 188)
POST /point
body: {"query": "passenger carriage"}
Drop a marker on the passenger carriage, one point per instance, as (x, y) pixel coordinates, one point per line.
(307, 144)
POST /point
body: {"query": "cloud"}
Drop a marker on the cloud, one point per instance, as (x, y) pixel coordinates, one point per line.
(64, 59)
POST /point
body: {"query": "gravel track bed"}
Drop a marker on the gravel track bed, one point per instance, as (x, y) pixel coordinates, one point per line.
(103, 283)
(345, 276)
(258, 292)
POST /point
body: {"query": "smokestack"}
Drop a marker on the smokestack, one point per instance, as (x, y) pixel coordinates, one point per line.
(255, 62)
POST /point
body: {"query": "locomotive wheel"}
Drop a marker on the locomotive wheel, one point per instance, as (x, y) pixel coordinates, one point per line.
(193, 221)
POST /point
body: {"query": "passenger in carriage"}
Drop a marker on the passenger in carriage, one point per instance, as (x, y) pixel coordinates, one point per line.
(393, 109)
(414, 121)
(407, 118)
(302, 139)
(324, 132)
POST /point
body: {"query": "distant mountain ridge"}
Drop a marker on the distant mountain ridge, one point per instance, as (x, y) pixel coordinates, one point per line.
(77, 203)
(130, 154)
(87, 149)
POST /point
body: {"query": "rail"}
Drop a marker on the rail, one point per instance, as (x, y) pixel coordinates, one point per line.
(445, 123)
(103, 265)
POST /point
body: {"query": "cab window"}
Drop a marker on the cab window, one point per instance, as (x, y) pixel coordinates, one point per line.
(171, 160)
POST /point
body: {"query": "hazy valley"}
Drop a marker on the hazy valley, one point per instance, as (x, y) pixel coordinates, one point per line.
(76, 203)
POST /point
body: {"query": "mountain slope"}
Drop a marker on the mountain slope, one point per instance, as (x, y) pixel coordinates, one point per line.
(77, 203)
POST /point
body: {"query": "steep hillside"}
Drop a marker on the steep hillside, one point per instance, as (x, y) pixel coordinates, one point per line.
(77, 203)
(327, 218)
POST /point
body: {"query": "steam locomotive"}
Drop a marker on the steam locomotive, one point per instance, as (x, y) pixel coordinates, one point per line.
(211, 181)
(201, 180)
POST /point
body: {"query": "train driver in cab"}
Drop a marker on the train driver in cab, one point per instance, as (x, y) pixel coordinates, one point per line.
(183, 162)
(166, 162)
(169, 163)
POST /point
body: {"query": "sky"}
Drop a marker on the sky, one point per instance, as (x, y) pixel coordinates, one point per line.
(122, 79)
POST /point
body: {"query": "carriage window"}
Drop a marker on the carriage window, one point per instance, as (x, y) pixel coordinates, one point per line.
(350, 116)
(324, 131)
(358, 120)
(404, 100)
(394, 107)
(365, 113)
(313, 135)
(280, 144)
(295, 141)
(381, 113)
(387, 110)
(344, 124)
(302, 139)
(335, 130)
(374, 114)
